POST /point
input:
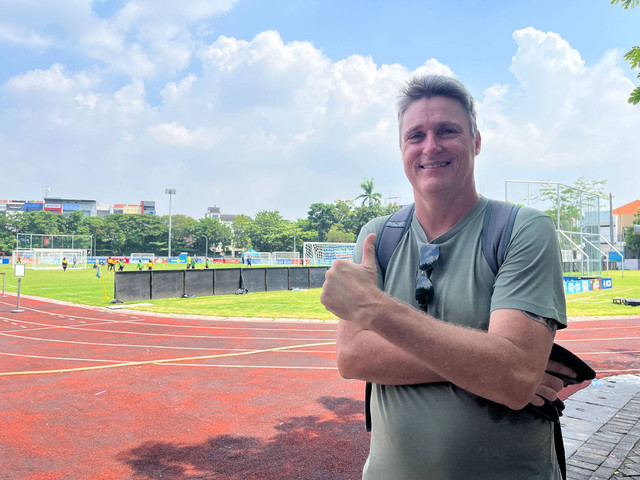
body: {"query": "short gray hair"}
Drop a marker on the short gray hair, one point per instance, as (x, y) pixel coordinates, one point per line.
(429, 86)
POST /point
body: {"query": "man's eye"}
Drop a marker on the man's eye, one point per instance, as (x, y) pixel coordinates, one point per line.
(447, 132)
(415, 137)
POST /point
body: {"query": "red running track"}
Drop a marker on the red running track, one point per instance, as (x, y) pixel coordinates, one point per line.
(91, 393)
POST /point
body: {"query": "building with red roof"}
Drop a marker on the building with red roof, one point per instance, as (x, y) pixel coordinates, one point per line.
(626, 214)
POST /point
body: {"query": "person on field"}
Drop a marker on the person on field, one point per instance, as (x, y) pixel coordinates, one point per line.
(452, 371)
(65, 263)
(188, 262)
(121, 265)
(140, 266)
(149, 265)
(193, 263)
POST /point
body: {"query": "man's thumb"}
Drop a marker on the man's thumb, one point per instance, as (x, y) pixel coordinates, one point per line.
(369, 252)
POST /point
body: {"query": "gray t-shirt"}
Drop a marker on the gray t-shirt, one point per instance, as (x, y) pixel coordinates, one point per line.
(440, 431)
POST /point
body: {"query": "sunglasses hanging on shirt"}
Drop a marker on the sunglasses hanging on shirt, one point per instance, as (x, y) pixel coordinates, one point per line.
(429, 255)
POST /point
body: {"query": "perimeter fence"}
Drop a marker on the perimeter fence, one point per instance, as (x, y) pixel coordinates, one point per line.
(148, 285)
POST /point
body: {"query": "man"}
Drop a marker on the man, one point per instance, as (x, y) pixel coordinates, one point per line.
(452, 377)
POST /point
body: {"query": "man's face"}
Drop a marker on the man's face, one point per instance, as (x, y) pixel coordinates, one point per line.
(438, 150)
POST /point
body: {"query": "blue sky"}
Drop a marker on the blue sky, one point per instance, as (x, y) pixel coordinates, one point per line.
(253, 105)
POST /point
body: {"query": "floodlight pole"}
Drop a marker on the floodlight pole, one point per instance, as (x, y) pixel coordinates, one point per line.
(170, 192)
(206, 248)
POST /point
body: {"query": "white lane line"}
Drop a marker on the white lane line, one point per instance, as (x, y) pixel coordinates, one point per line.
(72, 342)
(123, 332)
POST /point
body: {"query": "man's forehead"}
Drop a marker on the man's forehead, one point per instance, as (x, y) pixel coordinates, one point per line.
(436, 110)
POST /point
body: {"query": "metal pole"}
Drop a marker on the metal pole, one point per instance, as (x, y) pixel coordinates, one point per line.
(170, 192)
(558, 200)
(206, 248)
(18, 309)
(611, 218)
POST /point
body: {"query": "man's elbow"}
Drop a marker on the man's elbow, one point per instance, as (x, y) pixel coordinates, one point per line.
(347, 363)
(521, 393)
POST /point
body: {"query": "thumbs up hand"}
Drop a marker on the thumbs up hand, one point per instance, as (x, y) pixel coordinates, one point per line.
(351, 290)
(369, 256)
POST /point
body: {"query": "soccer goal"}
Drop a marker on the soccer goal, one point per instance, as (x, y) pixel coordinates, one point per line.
(325, 253)
(259, 258)
(28, 241)
(286, 258)
(51, 258)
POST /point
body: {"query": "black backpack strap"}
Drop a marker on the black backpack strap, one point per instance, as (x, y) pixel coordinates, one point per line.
(392, 232)
(499, 218)
(367, 406)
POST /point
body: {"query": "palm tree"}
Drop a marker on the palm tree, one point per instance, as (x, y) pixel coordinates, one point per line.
(369, 196)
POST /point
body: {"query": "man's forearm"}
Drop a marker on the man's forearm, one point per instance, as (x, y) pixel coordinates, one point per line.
(504, 364)
(365, 355)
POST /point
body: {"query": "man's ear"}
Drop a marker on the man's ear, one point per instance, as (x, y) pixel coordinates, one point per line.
(478, 143)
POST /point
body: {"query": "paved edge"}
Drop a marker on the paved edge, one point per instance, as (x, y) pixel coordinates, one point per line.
(601, 426)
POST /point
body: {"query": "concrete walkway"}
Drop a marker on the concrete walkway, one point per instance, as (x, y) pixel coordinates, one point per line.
(601, 429)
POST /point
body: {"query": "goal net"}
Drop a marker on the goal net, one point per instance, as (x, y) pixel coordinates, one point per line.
(325, 253)
(51, 258)
(29, 241)
(258, 258)
(286, 258)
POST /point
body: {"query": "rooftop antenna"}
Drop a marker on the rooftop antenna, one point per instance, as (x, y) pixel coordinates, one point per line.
(45, 191)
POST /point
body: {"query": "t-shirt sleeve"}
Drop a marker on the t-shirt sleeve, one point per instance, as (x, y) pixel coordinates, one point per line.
(531, 277)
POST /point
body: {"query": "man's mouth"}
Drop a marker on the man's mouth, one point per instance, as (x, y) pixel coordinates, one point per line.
(435, 165)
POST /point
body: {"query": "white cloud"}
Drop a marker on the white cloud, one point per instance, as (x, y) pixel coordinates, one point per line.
(23, 37)
(173, 91)
(52, 80)
(143, 39)
(175, 134)
(268, 124)
(562, 119)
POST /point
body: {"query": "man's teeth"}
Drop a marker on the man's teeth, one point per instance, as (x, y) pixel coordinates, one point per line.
(435, 165)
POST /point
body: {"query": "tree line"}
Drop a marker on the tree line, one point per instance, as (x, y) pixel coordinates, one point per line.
(122, 234)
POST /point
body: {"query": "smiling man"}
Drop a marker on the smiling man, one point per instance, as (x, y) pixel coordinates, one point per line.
(454, 351)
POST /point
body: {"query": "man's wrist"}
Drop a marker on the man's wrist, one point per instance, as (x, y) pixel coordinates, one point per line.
(380, 310)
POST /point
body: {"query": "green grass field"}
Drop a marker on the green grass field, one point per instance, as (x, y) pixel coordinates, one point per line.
(83, 287)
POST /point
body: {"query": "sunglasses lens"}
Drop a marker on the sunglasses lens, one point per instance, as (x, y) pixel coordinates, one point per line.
(428, 257)
(424, 290)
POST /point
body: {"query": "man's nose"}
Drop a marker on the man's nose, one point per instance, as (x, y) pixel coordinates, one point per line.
(431, 144)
